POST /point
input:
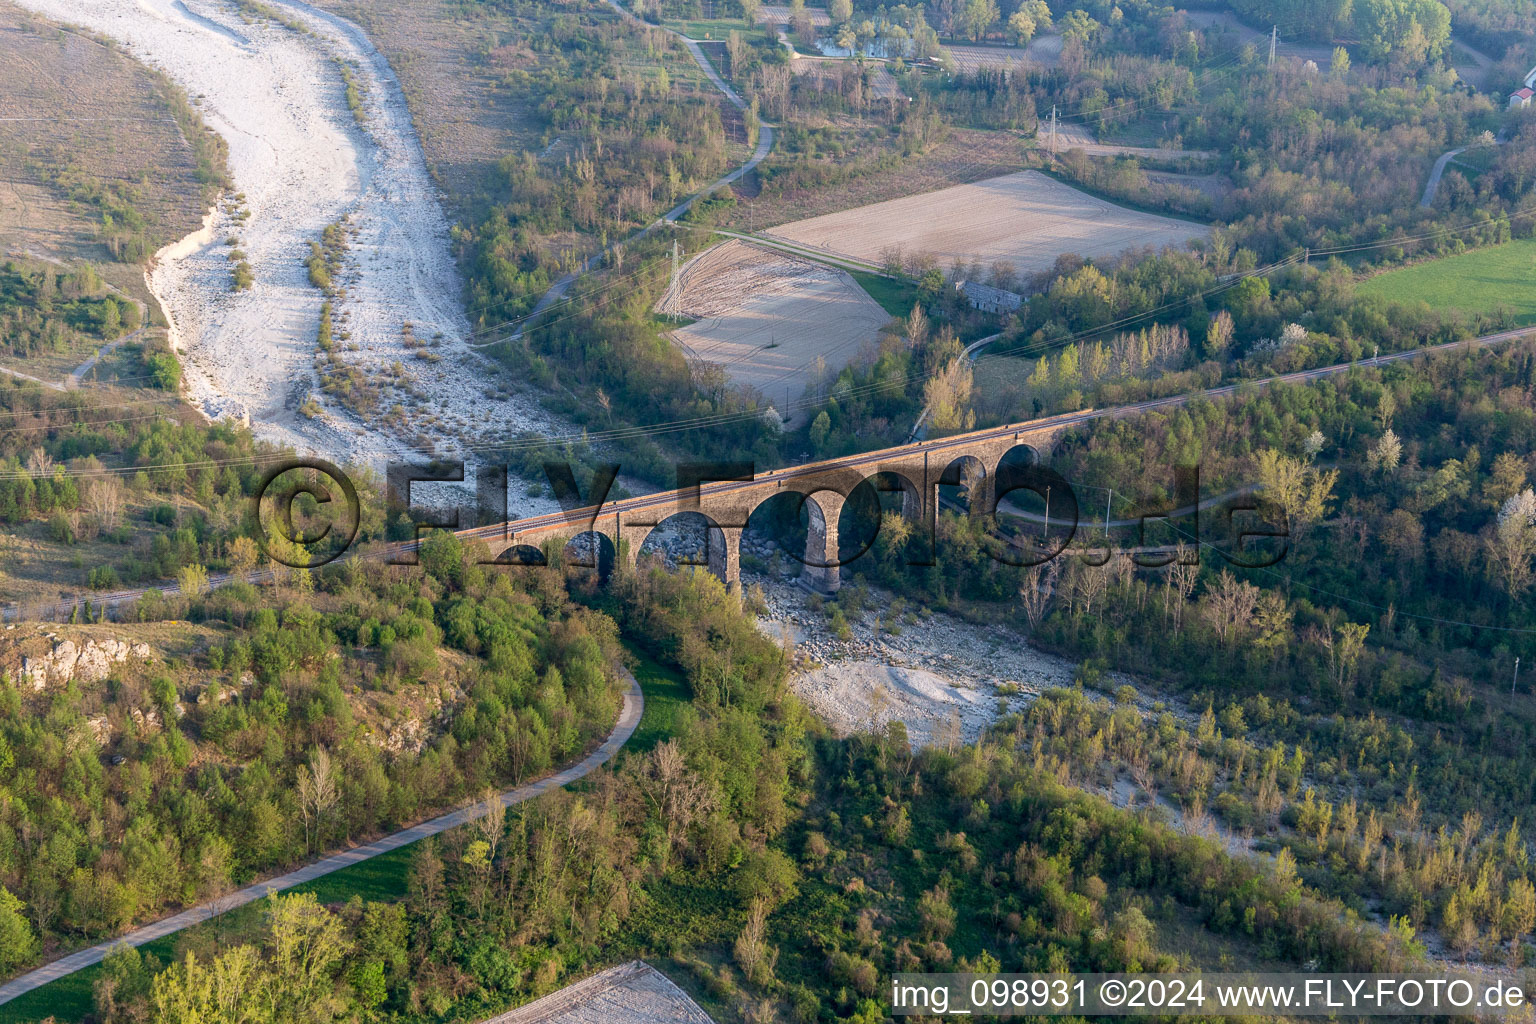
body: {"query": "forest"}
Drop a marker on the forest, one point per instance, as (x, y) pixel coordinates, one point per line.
(44, 311)
(781, 871)
(263, 750)
(1356, 681)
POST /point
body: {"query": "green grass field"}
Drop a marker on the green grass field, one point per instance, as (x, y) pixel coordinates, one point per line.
(666, 701)
(896, 297)
(1480, 281)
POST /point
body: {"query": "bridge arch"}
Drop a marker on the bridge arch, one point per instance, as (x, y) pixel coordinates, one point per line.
(521, 554)
(693, 538)
(778, 526)
(1020, 455)
(966, 481)
(590, 549)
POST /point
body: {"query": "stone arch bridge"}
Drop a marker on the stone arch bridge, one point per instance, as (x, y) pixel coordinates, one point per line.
(972, 459)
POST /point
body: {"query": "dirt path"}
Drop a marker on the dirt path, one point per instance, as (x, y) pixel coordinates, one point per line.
(624, 728)
(78, 373)
(1079, 136)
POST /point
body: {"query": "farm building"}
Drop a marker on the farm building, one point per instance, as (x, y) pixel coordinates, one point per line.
(1520, 98)
(989, 299)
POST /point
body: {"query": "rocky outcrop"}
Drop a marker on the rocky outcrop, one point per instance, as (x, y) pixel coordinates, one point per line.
(86, 661)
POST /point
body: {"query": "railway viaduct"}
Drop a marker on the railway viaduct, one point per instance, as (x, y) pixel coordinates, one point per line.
(916, 470)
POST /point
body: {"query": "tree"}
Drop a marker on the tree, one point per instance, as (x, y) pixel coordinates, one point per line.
(243, 555)
(1080, 27)
(1519, 909)
(677, 794)
(1218, 336)
(917, 327)
(1299, 488)
(752, 953)
(750, 10)
(1021, 28)
(317, 792)
(192, 580)
(1418, 28)
(948, 397)
(1036, 591)
(104, 500)
(978, 17)
(840, 11)
(1513, 541)
(1039, 12)
(1229, 605)
(1272, 621)
(17, 943)
(735, 47)
(1387, 452)
(308, 944)
(1344, 647)
(1506, 480)
(821, 426)
(1339, 66)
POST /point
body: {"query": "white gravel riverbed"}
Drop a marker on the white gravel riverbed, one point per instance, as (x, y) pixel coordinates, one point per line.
(300, 160)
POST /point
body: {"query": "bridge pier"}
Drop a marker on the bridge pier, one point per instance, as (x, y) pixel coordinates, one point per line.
(725, 556)
(822, 571)
(628, 541)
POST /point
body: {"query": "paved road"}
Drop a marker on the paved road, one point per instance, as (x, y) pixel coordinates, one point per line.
(1435, 173)
(629, 720)
(557, 290)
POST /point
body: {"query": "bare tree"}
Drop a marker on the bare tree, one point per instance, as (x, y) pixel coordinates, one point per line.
(317, 793)
(752, 952)
(673, 789)
(1038, 588)
(1182, 573)
(1229, 605)
(104, 499)
(39, 463)
(492, 822)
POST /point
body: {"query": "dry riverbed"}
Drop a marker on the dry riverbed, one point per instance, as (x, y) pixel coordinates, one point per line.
(945, 678)
(301, 159)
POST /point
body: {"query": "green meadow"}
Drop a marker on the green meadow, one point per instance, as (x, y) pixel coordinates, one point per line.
(1480, 281)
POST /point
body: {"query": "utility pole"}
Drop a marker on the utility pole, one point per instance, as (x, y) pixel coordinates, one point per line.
(1515, 680)
(1107, 502)
(1274, 34)
(1053, 129)
(1044, 536)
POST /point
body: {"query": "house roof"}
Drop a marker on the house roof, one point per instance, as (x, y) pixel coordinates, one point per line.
(987, 294)
(1524, 94)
